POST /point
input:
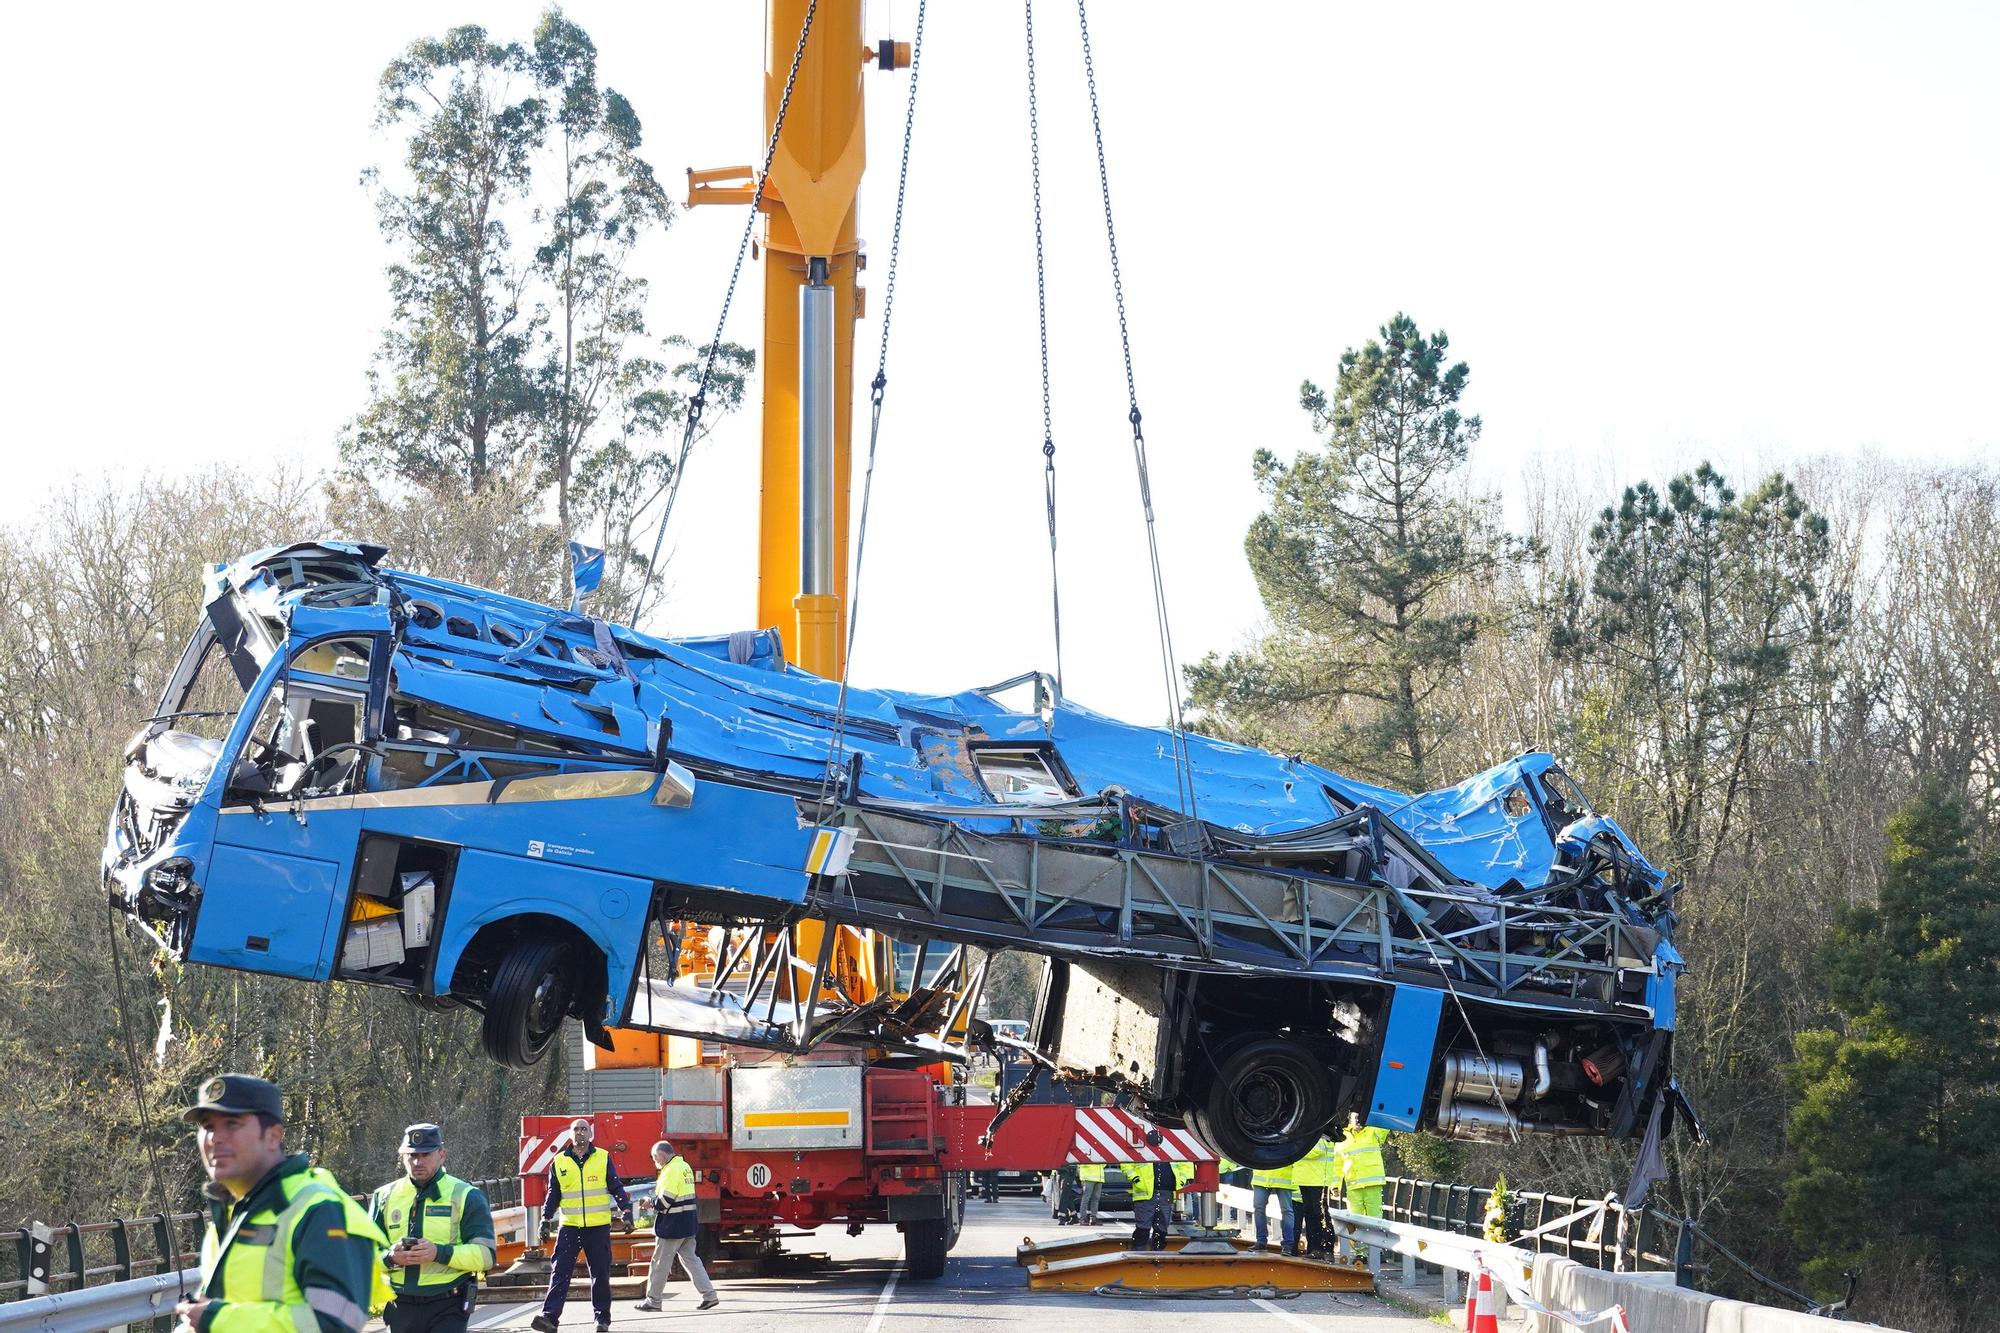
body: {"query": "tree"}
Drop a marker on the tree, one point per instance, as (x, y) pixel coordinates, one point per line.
(1360, 557)
(452, 393)
(1708, 612)
(608, 198)
(1897, 1126)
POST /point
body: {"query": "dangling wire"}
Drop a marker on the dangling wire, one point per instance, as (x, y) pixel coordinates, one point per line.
(700, 398)
(877, 388)
(139, 1094)
(1042, 315)
(1183, 760)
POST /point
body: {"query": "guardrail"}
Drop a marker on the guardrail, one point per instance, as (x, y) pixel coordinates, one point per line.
(93, 1309)
(1601, 1233)
(66, 1257)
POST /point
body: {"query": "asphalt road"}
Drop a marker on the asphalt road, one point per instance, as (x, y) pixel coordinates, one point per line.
(983, 1290)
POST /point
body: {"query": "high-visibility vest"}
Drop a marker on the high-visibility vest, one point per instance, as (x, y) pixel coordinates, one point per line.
(1321, 1166)
(673, 1199)
(586, 1197)
(253, 1265)
(1183, 1173)
(1141, 1176)
(1279, 1179)
(1090, 1171)
(1361, 1157)
(443, 1216)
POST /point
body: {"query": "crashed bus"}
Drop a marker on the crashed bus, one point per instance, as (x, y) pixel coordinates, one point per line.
(358, 774)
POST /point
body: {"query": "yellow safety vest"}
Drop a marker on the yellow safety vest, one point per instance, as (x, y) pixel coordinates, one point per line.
(1183, 1173)
(255, 1262)
(1090, 1171)
(442, 1218)
(586, 1197)
(1141, 1176)
(1279, 1179)
(673, 1192)
(1361, 1157)
(1321, 1166)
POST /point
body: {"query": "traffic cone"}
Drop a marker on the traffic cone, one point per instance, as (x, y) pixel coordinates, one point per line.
(1471, 1302)
(1486, 1307)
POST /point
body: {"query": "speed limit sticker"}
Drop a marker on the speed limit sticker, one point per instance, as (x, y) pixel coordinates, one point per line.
(757, 1176)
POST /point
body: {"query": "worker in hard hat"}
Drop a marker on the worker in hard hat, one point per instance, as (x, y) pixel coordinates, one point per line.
(1267, 1186)
(1312, 1175)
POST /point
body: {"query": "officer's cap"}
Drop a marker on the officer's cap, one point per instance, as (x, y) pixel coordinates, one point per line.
(423, 1138)
(238, 1094)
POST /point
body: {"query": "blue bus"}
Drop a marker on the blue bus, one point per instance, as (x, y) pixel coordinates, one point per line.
(359, 774)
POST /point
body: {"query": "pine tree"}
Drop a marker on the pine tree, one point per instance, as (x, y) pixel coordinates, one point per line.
(1897, 1125)
(1359, 554)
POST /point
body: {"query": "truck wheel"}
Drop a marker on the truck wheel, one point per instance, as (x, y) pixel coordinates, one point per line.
(925, 1245)
(1267, 1104)
(527, 1001)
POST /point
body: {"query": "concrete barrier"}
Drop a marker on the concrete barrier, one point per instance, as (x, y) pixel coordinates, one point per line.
(1653, 1304)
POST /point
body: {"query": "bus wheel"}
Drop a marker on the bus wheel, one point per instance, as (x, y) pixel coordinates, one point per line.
(527, 1001)
(1267, 1104)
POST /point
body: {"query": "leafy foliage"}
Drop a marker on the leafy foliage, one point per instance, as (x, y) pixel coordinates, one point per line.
(518, 348)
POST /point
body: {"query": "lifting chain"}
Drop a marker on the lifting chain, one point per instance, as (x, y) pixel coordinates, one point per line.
(1183, 761)
(1042, 316)
(877, 390)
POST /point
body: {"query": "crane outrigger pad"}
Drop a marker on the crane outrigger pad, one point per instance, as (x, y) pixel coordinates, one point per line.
(1195, 1261)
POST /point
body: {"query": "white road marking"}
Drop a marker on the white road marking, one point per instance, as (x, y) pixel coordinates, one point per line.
(1285, 1315)
(882, 1301)
(505, 1313)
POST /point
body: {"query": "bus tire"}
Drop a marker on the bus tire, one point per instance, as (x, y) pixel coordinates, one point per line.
(531, 993)
(1267, 1104)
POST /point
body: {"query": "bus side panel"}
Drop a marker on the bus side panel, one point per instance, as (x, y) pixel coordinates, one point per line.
(264, 911)
(1403, 1071)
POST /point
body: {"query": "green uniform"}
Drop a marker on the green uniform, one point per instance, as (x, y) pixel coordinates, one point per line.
(449, 1213)
(294, 1255)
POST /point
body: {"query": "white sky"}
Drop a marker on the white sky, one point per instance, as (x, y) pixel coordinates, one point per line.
(1757, 233)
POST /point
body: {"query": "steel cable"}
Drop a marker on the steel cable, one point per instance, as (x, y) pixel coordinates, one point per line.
(1183, 760)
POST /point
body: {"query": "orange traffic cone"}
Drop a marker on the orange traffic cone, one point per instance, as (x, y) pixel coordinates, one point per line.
(1471, 1302)
(1486, 1307)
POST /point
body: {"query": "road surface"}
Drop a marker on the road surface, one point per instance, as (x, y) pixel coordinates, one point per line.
(867, 1293)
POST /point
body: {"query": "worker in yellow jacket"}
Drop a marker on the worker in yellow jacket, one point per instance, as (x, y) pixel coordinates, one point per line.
(1362, 1172)
(1265, 1186)
(286, 1251)
(1312, 1175)
(1090, 1191)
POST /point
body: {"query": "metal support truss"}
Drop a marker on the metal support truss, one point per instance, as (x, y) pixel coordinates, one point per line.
(1232, 911)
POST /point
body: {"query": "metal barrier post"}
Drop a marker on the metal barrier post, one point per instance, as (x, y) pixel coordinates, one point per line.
(1684, 1255)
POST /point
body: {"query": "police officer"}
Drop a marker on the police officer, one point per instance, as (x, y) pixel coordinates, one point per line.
(441, 1232)
(674, 1228)
(585, 1193)
(286, 1250)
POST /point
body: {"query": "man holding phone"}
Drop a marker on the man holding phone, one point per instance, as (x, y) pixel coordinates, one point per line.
(441, 1238)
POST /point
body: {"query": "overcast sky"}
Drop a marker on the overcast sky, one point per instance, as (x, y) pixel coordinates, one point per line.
(1657, 233)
